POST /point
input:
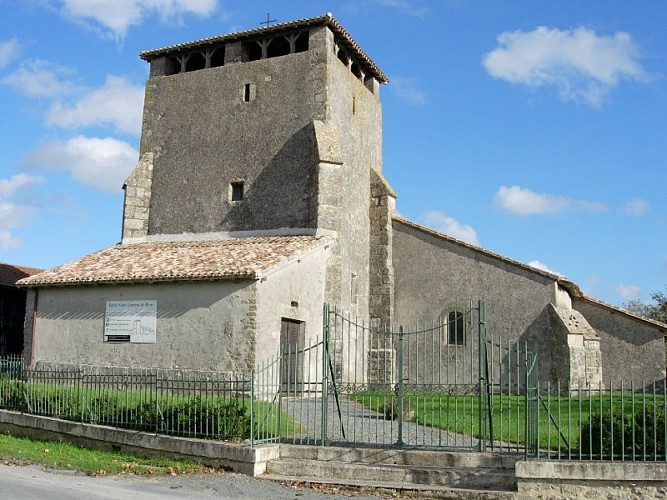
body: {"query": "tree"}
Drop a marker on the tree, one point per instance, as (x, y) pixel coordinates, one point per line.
(656, 311)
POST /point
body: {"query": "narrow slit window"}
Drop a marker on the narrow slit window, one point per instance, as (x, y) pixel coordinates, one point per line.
(246, 93)
(237, 191)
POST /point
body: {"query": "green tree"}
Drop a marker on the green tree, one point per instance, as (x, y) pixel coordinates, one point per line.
(656, 310)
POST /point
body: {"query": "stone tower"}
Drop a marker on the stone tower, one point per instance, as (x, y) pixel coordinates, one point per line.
(276, 130)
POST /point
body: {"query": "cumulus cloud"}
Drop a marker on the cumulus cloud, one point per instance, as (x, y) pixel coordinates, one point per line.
(540, 265)
(16, 205)
(635, 207)
(102, 163)
(523, 201)
(9, 50)
(628, 292)
(41, 79)
(117, 103)
(582, 65)
(407, 89)
(450, 226)
(117, 16)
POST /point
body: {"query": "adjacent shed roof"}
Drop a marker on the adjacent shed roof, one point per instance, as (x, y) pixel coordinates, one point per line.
(235, 258)
(11, 273)
(343, 37)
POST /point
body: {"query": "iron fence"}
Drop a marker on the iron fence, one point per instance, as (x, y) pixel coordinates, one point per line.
(614, 422)
(192, 404)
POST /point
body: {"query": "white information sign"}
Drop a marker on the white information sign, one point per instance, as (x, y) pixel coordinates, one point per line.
(130, 321)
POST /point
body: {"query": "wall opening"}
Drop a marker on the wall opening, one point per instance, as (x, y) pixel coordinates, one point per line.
(246, 92)
(279, 46)
(196, 61)
(218, 57)
(236, 191)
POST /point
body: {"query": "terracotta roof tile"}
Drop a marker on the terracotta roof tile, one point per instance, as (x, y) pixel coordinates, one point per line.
(10, 273)
(179, 260)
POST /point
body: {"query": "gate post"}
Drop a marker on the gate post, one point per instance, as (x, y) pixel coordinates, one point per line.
(483, 402)
(401, 388)
(325, 374)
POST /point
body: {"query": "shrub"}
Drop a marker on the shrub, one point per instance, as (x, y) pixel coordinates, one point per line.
(640, 435)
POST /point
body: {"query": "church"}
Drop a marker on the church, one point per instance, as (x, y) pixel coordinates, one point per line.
(259, 196)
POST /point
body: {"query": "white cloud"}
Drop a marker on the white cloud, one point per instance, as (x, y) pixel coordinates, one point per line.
(405, 7)
(523, 201)
(540, 265)
(116, 103)
(117, 16)
(8, 51)
(101, 163)
(450, 226)
(407, 90)
(635, 207)
(20, 183)
(41, 79)
(582, 65)
(628, 292)
(16, 205)
(8, 241)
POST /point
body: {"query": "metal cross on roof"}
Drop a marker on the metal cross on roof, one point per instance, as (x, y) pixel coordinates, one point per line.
(269, 20)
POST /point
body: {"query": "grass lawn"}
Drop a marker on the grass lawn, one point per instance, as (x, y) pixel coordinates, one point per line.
(559, 419)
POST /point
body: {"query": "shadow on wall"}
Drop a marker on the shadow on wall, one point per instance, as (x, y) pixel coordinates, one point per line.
(280, 196)
(178, 302)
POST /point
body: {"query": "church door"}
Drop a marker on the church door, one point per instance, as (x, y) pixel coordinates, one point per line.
(291, 348)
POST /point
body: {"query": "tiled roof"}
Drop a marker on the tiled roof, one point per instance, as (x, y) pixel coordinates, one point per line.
(10, 273)
(231, 258)
(344, 39)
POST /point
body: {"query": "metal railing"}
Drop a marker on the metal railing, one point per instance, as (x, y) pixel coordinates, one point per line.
(191, 404)
(617, 422)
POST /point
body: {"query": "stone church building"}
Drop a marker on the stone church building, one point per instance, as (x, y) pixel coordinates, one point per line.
(258, 197)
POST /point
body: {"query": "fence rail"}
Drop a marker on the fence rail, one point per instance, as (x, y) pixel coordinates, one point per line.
(617, 422)
(211, 406)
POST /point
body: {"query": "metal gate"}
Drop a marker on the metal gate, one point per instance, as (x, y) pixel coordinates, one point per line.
(447, 384)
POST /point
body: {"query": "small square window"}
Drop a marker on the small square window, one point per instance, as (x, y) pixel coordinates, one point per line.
(237, 191)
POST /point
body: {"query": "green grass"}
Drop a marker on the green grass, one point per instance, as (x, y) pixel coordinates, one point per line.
(560, 419)
(203, 416)
(60, 455)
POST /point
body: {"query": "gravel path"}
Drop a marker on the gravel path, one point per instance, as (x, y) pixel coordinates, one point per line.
(362, 426)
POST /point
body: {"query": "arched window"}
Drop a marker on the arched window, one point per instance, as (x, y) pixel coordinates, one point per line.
(456, 328)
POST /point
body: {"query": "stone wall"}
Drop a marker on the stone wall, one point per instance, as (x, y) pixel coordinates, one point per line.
(434, 275)
(200, 326)
(574, 480)
(633, 349)
(205, 135)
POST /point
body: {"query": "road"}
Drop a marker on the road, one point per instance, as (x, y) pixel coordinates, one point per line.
(33, 482)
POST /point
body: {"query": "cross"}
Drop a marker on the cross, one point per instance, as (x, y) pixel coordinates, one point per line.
(269, 20)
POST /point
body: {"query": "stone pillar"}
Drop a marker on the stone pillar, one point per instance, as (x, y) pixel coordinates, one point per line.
(326, 213)
(381, 354)
(138, 198)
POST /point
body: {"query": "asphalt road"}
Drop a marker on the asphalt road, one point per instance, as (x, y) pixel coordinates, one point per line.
(33, 482)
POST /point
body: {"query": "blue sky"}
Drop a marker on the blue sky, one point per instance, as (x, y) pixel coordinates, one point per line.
(535, 129)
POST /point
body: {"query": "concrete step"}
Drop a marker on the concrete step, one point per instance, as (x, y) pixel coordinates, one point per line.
(467, 478)
(402, 469)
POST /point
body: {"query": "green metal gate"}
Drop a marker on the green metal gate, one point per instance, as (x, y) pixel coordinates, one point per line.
(447, 384)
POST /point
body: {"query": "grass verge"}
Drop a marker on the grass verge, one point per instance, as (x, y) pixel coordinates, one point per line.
(58, 455)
